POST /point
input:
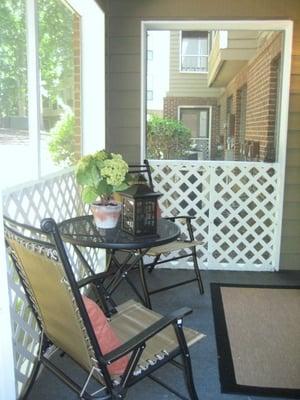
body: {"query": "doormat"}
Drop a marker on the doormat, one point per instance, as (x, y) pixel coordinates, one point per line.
(258, 339)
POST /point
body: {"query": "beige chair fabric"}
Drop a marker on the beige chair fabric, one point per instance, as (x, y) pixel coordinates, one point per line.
(55, 302)
(62, 322)
(173, 246)
(133, 317)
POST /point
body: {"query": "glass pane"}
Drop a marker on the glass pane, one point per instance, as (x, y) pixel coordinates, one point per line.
(59, 51)
(203, 45)
(190, 63)
(203, 124)
(190, 46)
(190, 119)
(14, 138)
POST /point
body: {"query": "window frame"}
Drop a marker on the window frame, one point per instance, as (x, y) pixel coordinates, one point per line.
(183, 71)
(92, 79)
(209, 121)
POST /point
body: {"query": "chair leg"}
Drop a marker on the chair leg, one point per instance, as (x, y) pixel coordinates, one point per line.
(186, 359)
(197, 271)
(147, 301)
(153, 264)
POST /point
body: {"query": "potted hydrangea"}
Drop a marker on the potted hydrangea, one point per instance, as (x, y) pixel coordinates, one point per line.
(101, 175)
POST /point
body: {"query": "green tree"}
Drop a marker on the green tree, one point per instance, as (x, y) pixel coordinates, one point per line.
(55, 46)
(62, 145)
(13, 77)
(167, 139)
(55, 52)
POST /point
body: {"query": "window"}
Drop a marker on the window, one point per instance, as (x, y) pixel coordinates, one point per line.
(59, 52)
(197, 120)
(14, 135)
(42, 89)
(194, 51)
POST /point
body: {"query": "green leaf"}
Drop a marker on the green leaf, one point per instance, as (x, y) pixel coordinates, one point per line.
(94, 175)
(121, 187)
(82, 174)
(103, 188)
(89, 194)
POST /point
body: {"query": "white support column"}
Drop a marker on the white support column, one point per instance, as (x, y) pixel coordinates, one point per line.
(33, 77)
(7, 377)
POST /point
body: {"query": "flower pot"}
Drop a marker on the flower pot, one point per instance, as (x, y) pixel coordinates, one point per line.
(106, 215)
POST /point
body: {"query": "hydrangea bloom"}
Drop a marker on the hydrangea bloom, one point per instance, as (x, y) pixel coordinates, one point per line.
(100, 175)
(114, 170)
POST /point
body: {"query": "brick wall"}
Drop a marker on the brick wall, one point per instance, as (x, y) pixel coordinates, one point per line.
(260, 76)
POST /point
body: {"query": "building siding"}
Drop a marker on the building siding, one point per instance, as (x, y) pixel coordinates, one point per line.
(186, 83)
(124, 24)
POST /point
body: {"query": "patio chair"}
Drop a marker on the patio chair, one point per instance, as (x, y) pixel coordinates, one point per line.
(184, 247)
(117, 353)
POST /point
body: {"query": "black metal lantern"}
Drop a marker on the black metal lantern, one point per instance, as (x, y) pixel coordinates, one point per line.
(139, 213)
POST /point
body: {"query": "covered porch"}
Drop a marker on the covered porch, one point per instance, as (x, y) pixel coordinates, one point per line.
(247, 213)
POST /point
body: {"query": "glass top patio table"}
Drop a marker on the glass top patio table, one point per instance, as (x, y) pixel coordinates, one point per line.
(82, 231)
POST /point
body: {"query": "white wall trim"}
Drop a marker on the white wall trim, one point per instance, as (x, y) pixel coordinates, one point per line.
(283, 112)
(33, 87)
(143, 90)
(92, 74)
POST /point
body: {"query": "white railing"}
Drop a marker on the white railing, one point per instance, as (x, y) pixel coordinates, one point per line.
(56, 196)
(236, 207)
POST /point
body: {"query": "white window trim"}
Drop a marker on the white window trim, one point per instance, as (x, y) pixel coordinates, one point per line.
(92, 74)
(209, 119)
(182, 71)
(92, 79)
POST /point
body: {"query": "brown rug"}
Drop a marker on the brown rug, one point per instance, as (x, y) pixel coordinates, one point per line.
(258, 339)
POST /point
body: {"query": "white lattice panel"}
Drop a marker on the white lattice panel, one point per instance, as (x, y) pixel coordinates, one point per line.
(56, 197)
(236, 208)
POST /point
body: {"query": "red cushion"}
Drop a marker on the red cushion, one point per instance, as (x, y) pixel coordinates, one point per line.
(107, 339)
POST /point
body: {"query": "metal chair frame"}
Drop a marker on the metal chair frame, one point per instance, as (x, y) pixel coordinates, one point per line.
(133, 348)
(145, 171)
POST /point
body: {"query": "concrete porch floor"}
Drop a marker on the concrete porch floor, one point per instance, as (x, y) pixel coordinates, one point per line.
(203, 354)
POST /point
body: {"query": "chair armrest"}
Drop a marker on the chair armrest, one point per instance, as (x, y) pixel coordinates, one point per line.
(139, 339)
(187, 217)
(91, 278)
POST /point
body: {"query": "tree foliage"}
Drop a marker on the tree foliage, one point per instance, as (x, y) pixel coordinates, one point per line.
(62, 145)
(13, 79)
(55, 52)
(167, 139)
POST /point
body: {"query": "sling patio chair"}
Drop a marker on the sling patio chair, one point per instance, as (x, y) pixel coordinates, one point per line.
(184, 247)
(115, 353)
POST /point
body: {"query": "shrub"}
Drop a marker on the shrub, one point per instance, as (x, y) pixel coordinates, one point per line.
(167, 139)
(62, 145)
